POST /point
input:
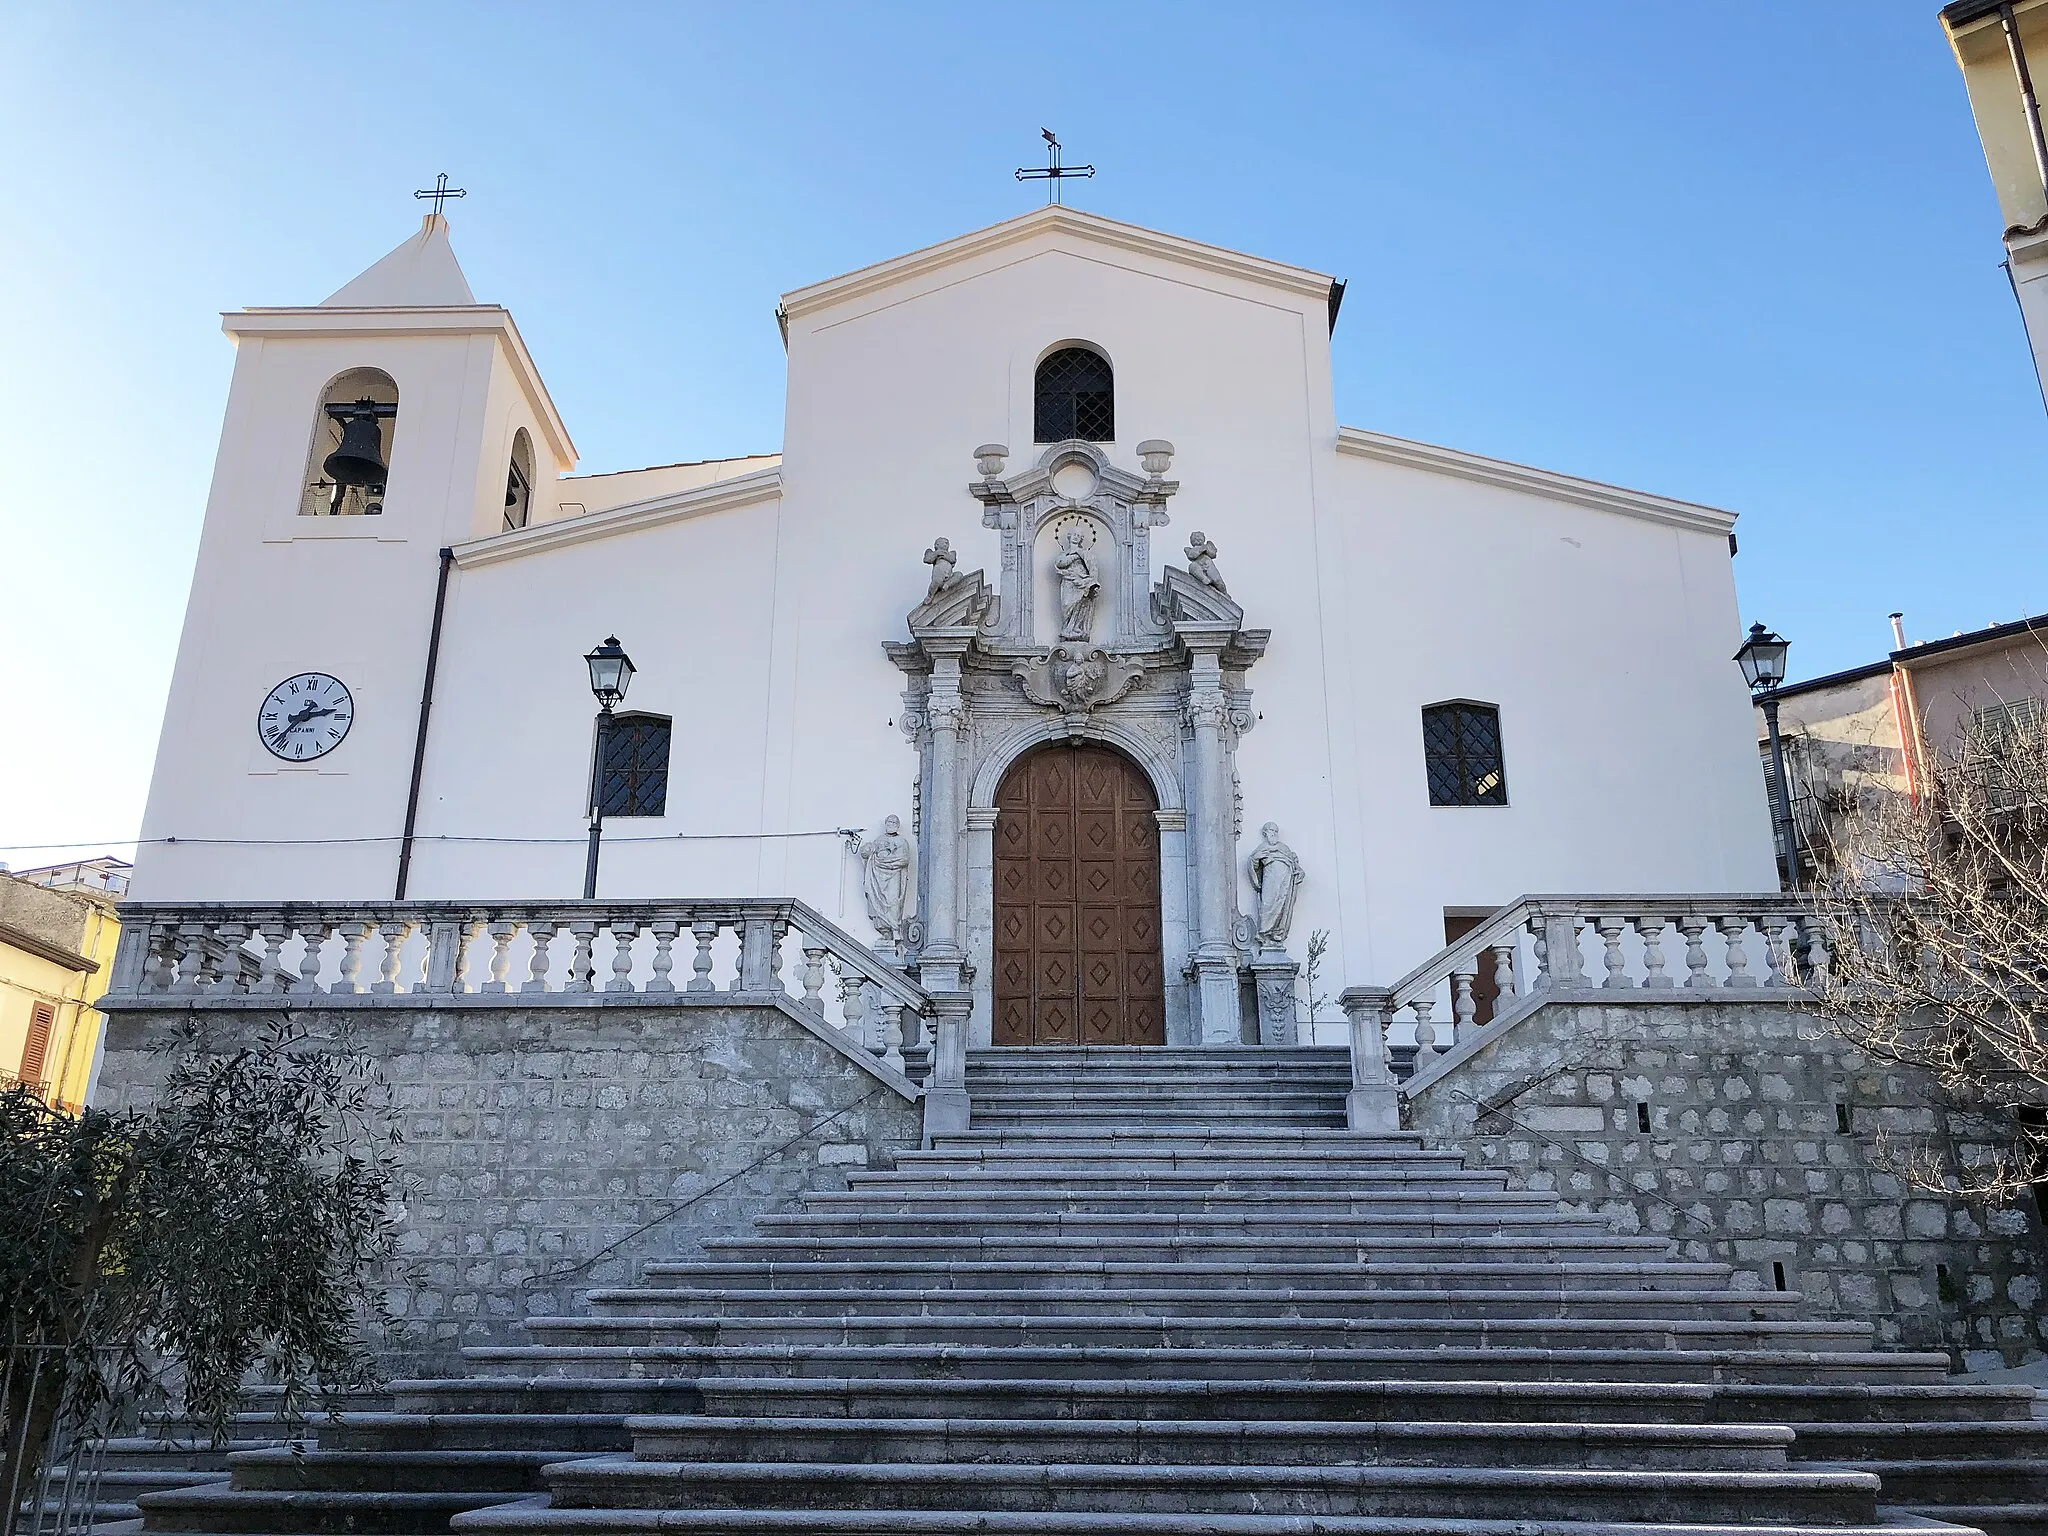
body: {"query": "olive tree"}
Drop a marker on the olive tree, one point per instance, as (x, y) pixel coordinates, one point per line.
(240, 1222)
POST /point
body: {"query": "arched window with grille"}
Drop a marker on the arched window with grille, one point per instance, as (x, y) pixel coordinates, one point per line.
(1076, 397)
(1461, 748)
(632, 778)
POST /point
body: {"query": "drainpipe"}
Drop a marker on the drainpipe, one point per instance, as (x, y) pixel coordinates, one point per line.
(2028, 102)
(419, 744)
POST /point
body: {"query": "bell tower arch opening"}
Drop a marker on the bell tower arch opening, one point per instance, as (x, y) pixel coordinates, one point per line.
(1078, 955)
(350, 456)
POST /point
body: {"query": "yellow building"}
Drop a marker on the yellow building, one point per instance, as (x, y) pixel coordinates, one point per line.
(58, 931)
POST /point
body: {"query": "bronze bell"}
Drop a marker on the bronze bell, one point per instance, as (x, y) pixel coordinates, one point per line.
(356, 462)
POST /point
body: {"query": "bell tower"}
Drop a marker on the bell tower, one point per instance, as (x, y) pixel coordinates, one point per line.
(363, 435)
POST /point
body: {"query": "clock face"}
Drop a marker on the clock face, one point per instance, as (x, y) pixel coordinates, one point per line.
(305, 717)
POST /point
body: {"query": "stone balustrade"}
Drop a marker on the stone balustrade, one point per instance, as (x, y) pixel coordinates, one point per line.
(1542, 946)
(371, 953)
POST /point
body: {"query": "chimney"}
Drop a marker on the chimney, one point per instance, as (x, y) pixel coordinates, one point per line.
(1898, 631)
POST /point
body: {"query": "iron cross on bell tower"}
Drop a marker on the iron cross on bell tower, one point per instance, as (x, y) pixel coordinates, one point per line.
(440, 192)
(1054, 173)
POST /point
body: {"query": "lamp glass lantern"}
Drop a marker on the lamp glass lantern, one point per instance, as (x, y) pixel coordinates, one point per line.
(611, 672)
(1762, 659)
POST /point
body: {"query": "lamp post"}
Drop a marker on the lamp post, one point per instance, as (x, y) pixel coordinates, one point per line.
(1762, 659)
(611, 673)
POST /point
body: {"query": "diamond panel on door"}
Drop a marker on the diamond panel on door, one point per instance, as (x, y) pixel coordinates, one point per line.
(1077, 902)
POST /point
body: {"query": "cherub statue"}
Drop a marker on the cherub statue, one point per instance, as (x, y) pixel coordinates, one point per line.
(1201, 554)
(941, 559)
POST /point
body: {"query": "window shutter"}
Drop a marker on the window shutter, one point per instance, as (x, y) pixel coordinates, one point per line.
(42, 1017)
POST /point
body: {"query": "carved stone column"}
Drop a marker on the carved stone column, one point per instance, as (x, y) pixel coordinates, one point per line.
(1274, 979)
(1212, 829)
(946, 1108)
(1374, 1103)
(941, 961)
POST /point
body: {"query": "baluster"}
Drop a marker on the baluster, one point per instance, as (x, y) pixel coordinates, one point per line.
(778, 964)
(1463, 1009)
(501, 933)
(1540, 948)
(160, 960)
(889, 1016)
(543, 935)
(352, 936)
(1732, 930)
(190, 950)
(853, 1009)
(1694, 928)
(1651, 927)
(814, 978)
(315, 937)
(623, 936)
(582, 964)
(1611, 929)
(1503, 977)
(394, 934)
(271, 976)
(234, 969)
(1814, 947)
(706, 934)
(1425, 1031)
(1775, 926)
(665, 932)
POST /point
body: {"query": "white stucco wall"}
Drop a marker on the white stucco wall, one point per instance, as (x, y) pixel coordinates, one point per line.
(1603, 637)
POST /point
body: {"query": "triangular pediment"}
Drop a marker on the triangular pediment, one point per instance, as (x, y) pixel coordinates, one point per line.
(1057, 227)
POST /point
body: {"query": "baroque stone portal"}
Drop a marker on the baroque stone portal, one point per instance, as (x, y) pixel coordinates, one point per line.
(1074, 642)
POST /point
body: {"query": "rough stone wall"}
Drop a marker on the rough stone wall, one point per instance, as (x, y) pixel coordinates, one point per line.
(1752, 1137)
(550, 1149)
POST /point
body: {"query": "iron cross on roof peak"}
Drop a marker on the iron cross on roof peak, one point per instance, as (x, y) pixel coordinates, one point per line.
(1054, 173)
(440, 192)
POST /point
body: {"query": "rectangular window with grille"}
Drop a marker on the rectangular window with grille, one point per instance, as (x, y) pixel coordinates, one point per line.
(1997, 744)
(1461, 749)
(41, 1020)
(633, 778)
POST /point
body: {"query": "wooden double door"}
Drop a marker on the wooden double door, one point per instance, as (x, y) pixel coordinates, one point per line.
(1077, 932)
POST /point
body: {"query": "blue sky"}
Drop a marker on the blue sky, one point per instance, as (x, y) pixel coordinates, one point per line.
(1745, 254)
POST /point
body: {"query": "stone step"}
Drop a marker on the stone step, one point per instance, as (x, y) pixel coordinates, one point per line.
(1004, 1204)
(1077, 1121)
(1923, 1440)
(578, 1434)
(1160, 1058)
(2001, 1480)
(1160, 1141)
(581, 1397)
(1209, 1442)
(1164, 1362)
(1296, 1085)
(1051, 1248)
(226, 1511)
(178, 1453)
(1090, 1177)
(409, 1470)
(1137, 1331)
(1166, 1102)
(1990, 1519)
(1518, 1220)
(1594, 1399)
(536, 1517)
(1472, 1492)
(964, 1301)
(1664, 1277)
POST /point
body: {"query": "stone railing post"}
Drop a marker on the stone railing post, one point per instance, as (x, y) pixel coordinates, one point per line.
(1563, 965)
(946, 1110)
(1374, 1102)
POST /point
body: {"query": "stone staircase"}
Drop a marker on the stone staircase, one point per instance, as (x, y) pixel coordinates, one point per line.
(1167, 1292)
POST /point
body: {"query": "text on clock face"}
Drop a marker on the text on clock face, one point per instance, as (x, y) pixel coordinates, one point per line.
(305, 716)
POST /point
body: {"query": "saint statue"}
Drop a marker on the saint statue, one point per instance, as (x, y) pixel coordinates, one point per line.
(1276, 876)
(1080, 585)
(885, 880)
(941, 559)
(1202, 562)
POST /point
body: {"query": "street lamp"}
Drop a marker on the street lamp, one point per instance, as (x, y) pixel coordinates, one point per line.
(1762, 659)
(611, 673)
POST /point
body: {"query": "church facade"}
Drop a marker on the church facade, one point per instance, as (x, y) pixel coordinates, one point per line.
(1065, 564)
